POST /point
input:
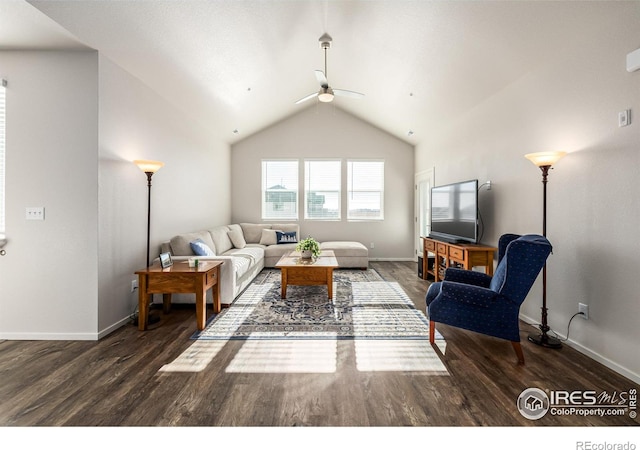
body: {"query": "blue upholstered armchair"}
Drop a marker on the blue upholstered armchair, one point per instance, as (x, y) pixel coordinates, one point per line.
(490, 305)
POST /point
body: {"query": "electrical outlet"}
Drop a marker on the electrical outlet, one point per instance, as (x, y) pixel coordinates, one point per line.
(134, 285)
(624, 118)
(584, 309)
(373, 245)
(489, 185)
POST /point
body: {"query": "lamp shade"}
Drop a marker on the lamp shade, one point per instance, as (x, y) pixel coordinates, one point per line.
(148, 166)
(545, 158)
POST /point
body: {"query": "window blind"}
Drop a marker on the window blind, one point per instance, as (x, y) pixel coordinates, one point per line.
(322, 189)
(280, 189)
(365, 195)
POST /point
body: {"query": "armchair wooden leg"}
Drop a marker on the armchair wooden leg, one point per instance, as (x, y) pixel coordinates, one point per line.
(432, 331)
(518, 349)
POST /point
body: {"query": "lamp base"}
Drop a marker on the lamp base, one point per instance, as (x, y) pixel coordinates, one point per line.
(545, 340)
(151, 319)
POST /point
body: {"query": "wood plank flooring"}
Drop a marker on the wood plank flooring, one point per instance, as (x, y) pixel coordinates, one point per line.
(116, 381)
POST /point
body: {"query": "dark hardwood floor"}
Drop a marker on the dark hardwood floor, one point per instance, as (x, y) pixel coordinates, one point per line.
(117, 381)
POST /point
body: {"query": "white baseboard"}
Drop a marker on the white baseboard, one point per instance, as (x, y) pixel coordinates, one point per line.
(114, 327)
(64, 336)
(392, 259)
(49, 336)
(590, 353)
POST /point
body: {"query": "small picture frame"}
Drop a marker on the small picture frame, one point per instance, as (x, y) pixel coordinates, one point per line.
(165, 260)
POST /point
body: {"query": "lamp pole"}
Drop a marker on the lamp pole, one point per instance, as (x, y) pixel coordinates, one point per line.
(544, 160)
(149, 168)
(149, 175)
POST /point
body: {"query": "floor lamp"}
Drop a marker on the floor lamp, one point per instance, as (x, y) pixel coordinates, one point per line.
(544, 160)
(149, 168)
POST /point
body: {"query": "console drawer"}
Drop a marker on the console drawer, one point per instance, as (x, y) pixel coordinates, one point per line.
(429, 245)
(456, 253)
(211, 277)
(442, 248)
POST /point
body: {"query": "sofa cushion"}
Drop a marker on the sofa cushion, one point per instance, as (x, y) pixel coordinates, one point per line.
(286, 227)
(269, 237)
(181, 244)
(200, 248)
(243, 260)
(220, 238)
(236, 235)
(254, 254)
(345, 248)
(286, 237)
(237, 238)
(273, 251)
(253, 231)
(240, 265)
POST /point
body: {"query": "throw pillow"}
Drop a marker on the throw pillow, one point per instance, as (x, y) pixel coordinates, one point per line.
(286, 237)
(237, 238)
(269, 237)
(200, 248)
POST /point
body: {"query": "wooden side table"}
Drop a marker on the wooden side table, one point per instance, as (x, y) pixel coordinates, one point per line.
(182, 279)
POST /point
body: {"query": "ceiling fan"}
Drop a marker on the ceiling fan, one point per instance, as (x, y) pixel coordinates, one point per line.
(326, 93)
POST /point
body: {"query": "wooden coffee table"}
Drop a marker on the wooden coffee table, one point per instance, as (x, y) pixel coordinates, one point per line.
(179, 278)
(302, 272)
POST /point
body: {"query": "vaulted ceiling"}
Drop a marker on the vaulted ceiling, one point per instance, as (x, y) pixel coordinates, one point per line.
(241, 65)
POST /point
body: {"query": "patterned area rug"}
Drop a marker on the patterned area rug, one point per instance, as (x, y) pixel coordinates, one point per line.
(364, 306)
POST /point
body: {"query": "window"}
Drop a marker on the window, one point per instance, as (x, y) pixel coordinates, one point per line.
(3, 116)
(365, 190)
(322, 189)
(280, 190)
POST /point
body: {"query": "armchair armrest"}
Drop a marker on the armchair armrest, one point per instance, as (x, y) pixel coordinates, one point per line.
(467, 277)
(468, 294)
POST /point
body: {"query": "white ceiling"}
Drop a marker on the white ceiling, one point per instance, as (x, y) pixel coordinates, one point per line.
(242, 64)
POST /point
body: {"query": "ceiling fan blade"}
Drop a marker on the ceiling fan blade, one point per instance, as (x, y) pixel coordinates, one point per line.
(308, 97)
(322, 79)
(351, 94)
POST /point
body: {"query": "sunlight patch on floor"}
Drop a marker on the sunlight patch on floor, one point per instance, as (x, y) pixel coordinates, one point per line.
(371, 292)
(195, 358)
(399, 355)
(286, 356)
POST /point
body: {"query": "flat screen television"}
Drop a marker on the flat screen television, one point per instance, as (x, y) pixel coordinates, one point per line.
(454, 212)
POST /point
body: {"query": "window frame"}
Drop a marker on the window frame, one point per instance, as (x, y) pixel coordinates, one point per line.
(3, 159)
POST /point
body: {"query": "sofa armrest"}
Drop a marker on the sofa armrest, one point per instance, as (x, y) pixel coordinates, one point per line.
(227, 279)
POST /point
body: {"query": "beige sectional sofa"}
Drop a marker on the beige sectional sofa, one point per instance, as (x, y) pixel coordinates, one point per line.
(246, 249)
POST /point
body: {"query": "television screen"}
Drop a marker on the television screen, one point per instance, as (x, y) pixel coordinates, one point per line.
(454, 212)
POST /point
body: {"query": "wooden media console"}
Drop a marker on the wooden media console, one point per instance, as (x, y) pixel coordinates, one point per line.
(465, 256)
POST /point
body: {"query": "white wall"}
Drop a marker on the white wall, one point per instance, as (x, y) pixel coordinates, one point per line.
(191, 192)
(569, 102)
(75, 121)
(49, 275)
(326, 131)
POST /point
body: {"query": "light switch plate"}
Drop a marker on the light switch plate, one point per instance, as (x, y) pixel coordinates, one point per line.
(35, 213)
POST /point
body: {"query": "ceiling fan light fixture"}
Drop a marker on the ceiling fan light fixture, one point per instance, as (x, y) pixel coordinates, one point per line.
(325, 95)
